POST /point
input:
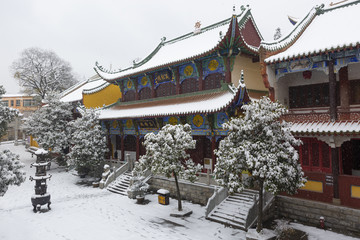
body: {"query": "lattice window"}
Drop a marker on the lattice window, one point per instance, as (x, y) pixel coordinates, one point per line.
(213, 81)
(315, 155)
(129, 96)
(315, 95)
(355, 92)
(165, 89)
(145, 93)
(189, 85)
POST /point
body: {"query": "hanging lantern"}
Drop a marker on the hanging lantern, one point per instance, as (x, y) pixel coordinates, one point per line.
(307, 74)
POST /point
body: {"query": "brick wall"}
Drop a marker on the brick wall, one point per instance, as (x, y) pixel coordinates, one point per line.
(194, 192)
(338, 218)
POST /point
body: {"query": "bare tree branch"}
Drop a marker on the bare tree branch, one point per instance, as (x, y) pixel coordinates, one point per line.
(40, 71)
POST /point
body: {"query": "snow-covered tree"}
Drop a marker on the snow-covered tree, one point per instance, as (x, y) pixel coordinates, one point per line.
(40, 72)
(6, 115)
(277, 34)
(88, 143)
(10, 170)
(262, 145)
(166, 154)
(49, 124)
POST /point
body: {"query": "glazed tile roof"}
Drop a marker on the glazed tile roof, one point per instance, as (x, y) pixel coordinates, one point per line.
(183, 48)
(88, 86)
(323, 29)
(206, 102)
(325, 127)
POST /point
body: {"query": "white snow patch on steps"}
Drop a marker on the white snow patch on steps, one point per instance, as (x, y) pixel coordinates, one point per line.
(121, 184)
(234, 209)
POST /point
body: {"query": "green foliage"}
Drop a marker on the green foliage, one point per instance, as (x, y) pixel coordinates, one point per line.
(88, 144)
(262, 145)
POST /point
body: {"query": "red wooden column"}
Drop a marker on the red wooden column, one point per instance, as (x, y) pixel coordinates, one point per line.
(137, 147)
(153, 94)
(332, 91)
(122, 148)
(228, 70)
(333, 118)
(344, 94)
(213, 147)
(200, 71)
(136, 89)
(177, 80)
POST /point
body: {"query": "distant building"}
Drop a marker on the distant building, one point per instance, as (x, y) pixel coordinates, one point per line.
(26, 105)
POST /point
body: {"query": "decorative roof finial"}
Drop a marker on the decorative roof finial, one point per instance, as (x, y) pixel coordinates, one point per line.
(197, 27)
(242, 77)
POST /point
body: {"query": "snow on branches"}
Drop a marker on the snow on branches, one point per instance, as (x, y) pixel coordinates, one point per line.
(166, 152)
(10, 171)
(49, 124)
(262, 145)
(88, 143)
(6, 115)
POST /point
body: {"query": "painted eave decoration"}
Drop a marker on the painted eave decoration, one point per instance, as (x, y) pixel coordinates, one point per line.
(324, 30)
(326, 128)
(223, 38)
(184, 104)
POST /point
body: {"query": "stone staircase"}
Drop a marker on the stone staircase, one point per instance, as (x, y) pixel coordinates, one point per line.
(234, 210)
(121, 184)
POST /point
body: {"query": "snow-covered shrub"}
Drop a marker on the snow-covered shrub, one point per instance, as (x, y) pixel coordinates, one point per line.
(262, 145)
(10, 170)
(6, 115)
(88, 144)
(49, 124)
(166, 154)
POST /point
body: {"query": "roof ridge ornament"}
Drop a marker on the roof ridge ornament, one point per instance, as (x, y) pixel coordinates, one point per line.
(197, 27)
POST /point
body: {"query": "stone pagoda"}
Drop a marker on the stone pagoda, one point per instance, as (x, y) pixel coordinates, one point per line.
(41, 197)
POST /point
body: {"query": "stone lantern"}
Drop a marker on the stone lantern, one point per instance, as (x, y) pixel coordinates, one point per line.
(41, 197)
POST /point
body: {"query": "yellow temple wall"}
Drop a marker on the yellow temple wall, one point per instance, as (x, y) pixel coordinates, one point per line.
(107, 96)
(252, 76)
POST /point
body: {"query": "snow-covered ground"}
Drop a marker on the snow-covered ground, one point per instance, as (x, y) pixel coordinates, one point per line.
(80, 212)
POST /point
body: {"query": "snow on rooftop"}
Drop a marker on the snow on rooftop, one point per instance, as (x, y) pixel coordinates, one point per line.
(320, 127)
(205, 103)
(331, 30)
(76, 92)
(174, 51)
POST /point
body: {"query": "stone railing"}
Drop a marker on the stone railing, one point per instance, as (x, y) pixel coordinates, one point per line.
(219, 195)
(114, 174)
(253, 211)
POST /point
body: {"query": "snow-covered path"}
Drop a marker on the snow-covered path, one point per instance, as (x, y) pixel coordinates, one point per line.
(81, 212)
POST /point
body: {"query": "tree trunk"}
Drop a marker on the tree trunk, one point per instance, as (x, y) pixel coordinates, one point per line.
(178, 192)
(260, 212)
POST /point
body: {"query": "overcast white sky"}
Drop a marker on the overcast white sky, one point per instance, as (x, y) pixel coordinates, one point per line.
(115, 32)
